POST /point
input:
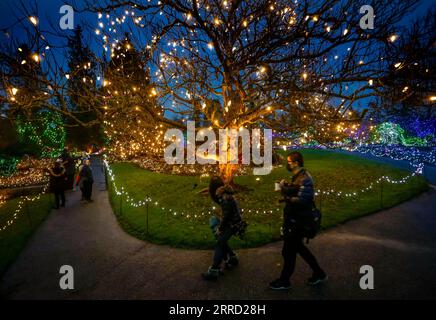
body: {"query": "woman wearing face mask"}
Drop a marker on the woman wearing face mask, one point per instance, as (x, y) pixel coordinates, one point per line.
(299, 198)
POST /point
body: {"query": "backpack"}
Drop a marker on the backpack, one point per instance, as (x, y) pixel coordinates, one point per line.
(311, 222)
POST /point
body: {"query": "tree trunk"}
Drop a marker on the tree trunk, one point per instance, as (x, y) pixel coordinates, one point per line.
(227, 173)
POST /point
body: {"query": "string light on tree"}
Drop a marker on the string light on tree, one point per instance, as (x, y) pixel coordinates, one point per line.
(33, 20)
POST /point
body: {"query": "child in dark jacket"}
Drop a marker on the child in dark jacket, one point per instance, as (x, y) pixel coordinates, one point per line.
(223, 228)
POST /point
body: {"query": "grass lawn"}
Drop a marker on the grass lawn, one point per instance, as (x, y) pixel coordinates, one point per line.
(181, 193)
(14, 238)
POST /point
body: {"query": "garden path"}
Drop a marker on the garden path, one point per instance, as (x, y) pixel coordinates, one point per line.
(399, 243)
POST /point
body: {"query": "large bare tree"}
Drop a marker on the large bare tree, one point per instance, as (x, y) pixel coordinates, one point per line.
(242, 63)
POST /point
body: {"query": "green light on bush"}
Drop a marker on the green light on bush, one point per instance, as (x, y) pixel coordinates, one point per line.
(8, 165)
(46, 133)
(392, 134)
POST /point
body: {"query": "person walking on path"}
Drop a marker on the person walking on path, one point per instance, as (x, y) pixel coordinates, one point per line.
(57, 183)
(86, 180)
(224, 228)
(299, 199)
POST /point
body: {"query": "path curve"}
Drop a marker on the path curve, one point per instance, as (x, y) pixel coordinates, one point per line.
(399, 243)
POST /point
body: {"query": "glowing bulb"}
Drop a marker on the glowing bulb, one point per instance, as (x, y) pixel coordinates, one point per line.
(34, 20)
(14, 91)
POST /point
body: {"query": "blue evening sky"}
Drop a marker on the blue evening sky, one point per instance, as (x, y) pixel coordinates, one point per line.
(48, 10)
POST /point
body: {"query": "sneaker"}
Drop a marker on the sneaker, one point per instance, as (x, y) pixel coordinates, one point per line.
(316, 279)
(211, 274)
(280, 285)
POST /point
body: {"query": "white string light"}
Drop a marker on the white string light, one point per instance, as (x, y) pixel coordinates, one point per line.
(20, 206)
(331, 192)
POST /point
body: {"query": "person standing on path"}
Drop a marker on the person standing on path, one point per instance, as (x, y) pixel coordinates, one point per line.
(299, 199)
(79, 183)
(57, 183)
(86, 180)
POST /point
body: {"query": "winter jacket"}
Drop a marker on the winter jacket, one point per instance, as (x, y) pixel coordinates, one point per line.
(299, 197)
(230, 211)
(86, 174)
(57, 179)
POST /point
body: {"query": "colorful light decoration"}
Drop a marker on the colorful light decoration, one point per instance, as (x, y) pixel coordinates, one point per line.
(420, 132)
(414, 155)
(389, 133)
